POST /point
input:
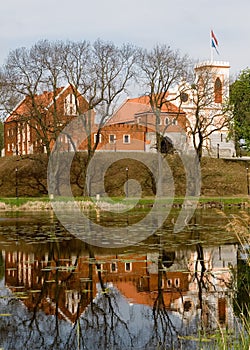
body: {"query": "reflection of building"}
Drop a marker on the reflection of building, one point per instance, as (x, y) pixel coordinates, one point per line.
(67, 285)
(214, 285)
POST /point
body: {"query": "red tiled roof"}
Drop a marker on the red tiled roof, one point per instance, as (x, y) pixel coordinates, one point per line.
(42, 101)
(126, 113)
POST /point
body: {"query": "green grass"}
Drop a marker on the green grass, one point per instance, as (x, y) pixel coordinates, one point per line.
(141, 201)
(22, 200)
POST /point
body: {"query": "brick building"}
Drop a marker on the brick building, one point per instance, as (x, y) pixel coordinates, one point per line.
(36, 122)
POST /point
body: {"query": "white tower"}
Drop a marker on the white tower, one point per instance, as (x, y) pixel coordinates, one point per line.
(206, 102)
(218, 144)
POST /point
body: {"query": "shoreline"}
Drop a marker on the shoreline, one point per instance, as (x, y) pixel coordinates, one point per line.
(33, 204)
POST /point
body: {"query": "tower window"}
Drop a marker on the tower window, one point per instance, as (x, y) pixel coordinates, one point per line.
(184, 97)
(218, 91)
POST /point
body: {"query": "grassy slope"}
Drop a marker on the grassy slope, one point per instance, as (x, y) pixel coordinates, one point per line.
(220, 178)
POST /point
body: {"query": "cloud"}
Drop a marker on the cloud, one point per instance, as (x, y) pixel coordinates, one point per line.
(181, 24)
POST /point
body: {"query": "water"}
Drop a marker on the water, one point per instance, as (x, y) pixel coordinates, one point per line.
(59, 292)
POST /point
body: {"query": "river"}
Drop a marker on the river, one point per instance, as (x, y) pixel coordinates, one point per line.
(170, 290)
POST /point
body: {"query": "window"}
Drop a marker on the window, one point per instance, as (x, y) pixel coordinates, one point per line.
(70, 105)
(218, 91)
(174, 121)
(112, 138)
(177, 282)
(97, 138)
(184, 97)
(128, 266)
(159, 121)
(187, 305)
(126, 138)
(222, 310)
(169, 283)
(99, 268)
(113, 267)
(166, 121)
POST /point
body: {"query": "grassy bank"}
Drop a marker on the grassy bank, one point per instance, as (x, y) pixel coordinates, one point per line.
(44, 203)
(220, 178)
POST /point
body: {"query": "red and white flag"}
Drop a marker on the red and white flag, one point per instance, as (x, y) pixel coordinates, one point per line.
(214, 42)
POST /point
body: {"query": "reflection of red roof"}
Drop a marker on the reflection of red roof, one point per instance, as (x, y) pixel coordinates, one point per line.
(130, 292)
(132, 106)
(25, 107)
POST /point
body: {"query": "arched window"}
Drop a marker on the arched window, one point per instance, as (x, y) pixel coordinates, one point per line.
(158, 121)
(166, 121)
(218, 91)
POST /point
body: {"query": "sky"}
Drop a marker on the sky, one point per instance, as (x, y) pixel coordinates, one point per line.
(183, 25)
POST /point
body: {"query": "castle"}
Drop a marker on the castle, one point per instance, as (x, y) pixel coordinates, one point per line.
(134, 126)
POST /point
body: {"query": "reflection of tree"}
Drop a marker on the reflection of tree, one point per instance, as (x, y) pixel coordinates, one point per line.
(94, 312)
(155, 313)
(199, 273)
(1, 266)
(240, 224)
(105, 311)
(163, 326)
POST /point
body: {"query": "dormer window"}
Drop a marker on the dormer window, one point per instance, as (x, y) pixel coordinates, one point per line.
(70, 107)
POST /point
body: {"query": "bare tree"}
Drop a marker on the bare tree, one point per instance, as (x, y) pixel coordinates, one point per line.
(35, 76)
(101, 72)
(161, 69)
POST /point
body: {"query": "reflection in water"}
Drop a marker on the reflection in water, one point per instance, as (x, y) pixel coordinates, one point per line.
(65, 294)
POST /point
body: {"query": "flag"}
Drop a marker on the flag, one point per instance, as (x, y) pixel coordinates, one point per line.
(214, 42)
